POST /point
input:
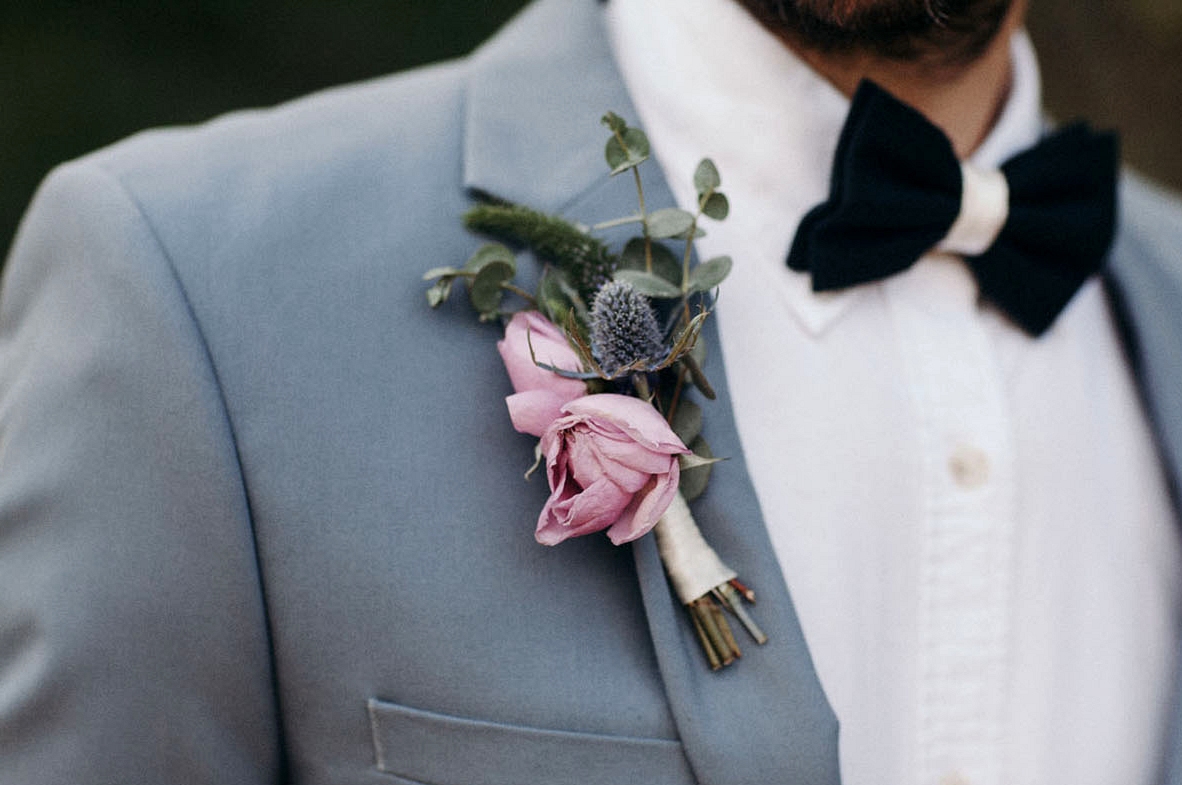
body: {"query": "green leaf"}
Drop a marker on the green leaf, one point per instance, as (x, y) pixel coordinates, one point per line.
(717, 206)
(552, 299)
(706, 177)
(665, 263)
(632, 152)
(637, 143)
(485, 290)
(687, 421)
(648, 284)
(616, 155)
(439, 272)
(697, 353)
(669, 222)
(614, 122)
(490, 253)
(709, 274)
(438, 293)
(693, 480)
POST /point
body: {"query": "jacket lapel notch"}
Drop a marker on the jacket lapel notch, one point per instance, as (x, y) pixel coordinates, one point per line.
(542, 146)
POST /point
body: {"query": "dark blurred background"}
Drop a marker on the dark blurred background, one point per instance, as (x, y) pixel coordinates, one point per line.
(77, 74)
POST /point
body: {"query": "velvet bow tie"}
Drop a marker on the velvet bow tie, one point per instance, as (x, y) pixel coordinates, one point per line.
(1032, 232)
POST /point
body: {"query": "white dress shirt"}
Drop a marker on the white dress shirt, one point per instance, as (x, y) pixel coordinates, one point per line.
(974, 524)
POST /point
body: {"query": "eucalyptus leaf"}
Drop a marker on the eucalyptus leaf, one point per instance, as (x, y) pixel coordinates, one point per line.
(616, 155)
(669, 222)
(706, 177)
(614, 122)
(637, 143)
(438, 293)
(687, 421)
(648, 284)
(485, 290)
(717, 206)
(693, 480)
(698, 232)
(709, 274)
(627, 147)
(490, 253)
(440, 272)
(621, 160)
(665, 262)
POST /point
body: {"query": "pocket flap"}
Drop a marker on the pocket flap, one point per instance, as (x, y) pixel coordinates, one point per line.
(425, 747)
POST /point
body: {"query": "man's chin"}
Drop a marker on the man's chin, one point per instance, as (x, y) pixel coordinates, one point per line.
(947, 31)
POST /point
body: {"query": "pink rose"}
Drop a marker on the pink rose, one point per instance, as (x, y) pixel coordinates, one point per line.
(539, 394)
(612, 464)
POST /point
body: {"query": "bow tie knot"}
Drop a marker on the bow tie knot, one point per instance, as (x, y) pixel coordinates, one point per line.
(1032, 231)
(984, 207)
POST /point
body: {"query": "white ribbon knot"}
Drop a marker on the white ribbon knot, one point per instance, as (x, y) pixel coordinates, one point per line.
(984, 207)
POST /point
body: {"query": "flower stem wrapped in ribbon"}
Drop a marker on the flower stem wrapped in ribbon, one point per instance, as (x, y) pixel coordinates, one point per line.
(605, 393)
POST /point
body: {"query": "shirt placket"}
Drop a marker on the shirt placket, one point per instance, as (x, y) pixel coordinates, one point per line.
(966, 538)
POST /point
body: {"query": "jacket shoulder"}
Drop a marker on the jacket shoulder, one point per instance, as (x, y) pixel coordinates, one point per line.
(257, 198)
(1150, 221)
(323, 126)
(191, 180)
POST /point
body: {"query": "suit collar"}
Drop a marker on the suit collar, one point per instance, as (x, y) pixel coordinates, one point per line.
(536, 93)
(1145, 286)
(1146, 289)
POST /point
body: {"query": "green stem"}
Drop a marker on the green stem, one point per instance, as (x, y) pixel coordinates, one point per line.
(640, 382)
(675, 398)
(522, 293)
(648, 241)
(628, 219)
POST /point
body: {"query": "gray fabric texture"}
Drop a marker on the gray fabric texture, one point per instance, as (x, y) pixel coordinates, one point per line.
(262, 516)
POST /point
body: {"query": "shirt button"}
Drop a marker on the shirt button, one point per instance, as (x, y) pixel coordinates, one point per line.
(969, 466)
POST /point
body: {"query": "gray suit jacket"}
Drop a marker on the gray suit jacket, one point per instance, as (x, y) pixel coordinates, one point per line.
(261, 511)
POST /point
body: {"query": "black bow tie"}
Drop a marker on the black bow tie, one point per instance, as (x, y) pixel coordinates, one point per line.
(897, 190)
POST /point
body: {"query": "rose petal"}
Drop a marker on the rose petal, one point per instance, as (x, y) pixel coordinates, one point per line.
(633, 455)
(611, 461)
(631, 415)
(646, 508)
(589, 464)
(533, 411)
(591, 510)
(530, 328)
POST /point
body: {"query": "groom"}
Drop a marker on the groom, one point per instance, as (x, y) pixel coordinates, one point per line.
(261, 510)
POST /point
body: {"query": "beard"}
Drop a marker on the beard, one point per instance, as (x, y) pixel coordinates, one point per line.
(940, 32)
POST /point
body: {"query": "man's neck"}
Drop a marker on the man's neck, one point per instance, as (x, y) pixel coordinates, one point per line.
(963, 101)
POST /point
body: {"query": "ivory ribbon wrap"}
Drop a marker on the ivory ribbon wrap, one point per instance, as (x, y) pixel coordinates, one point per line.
(692, 565)
(984, 207)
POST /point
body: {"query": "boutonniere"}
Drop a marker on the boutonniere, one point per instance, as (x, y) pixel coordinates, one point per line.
(602, 356)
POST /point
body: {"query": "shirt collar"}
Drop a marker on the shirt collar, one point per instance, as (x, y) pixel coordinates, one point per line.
(707, 79)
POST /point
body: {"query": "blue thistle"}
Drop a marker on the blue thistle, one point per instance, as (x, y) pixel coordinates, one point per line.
(624, 329)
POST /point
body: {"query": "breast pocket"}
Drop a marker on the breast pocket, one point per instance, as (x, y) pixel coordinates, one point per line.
(425, 748)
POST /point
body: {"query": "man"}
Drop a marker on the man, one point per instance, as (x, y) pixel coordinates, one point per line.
(261, 513)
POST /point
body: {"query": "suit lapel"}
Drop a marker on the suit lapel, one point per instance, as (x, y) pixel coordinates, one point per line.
(1146, 289)
(536, 94)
